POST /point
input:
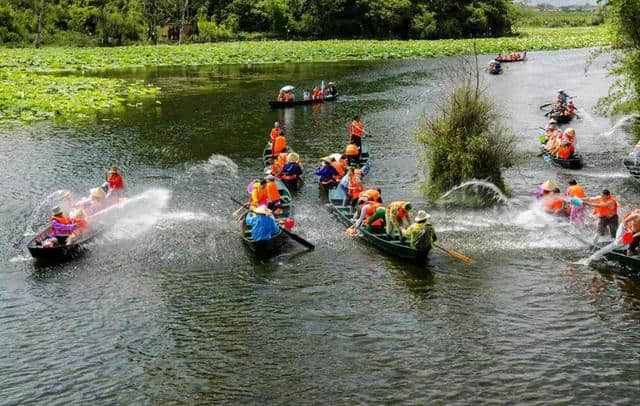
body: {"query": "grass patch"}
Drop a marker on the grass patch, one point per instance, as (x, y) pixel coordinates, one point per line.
(26, 72)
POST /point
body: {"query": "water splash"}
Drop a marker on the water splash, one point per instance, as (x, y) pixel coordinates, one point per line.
(619, 124)
(42, 211)
(602, 251)
(475, 185)
(213, 165)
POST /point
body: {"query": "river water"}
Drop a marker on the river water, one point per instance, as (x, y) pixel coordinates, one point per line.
(167, 306)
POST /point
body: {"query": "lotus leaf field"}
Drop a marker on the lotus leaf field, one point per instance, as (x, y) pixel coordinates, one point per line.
(65, 82)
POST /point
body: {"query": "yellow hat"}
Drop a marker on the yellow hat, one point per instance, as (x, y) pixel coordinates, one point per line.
(422, 216)
(77, 214)
(570, 131)
(326, 159)
(549, 186)
(56, 211)
(262, 210)
(293, 157)
(97, 192)
(114, 169)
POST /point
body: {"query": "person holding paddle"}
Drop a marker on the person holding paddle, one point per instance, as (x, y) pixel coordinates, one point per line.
(263, 225)
(421, 234)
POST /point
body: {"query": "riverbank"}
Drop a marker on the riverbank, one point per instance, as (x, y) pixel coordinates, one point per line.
(30, 90)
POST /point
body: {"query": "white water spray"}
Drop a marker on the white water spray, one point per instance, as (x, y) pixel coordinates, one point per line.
(53, 199)
(213, 165)
(619, 124)
(475, 185)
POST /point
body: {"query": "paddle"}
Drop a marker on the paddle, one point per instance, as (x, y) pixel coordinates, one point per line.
(293, 236)
(456, 255)
(545, 105)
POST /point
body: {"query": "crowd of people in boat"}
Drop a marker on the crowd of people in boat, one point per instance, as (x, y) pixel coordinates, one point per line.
(557, 143)
(68, 228)
(318, 93)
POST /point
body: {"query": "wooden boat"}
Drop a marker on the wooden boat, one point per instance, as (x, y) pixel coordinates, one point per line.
(619, 256)
(267, 161)
(267, 248)
(494, 70)
(521, 57)
(60, 252)
(283, 104)
(562, 118)
(382, 241)
(634, 170)
(571, 163)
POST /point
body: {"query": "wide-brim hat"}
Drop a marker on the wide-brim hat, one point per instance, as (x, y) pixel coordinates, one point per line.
(549, 186)
(560, 90)
(56, 211)
(337, 156)
(293, 157)
(326, 159)
(422, 216)
(570, 131)
(77, 214)
(97, 192)
(262, 210)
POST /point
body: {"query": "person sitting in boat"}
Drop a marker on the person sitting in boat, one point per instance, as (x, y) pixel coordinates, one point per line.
(575, 211)
(371, 216)
(374, 195)
(630, 225)
(421, 234)
(275, 132)
(551, 126)
(569, 135)
(557, 109)
(116, 184)
(80, 225)
(340, 171)
(331, 90)
(273, 195)
(259, 195)
(306, 95)
(571, 109)
(278, 164)
(566, 150)
(94, 203)
(327, 173)
(353, 154)
(315, 94)
(289, 97)
(397, 217)
(263, 225)
(279, 145)
(292, 170)
(61, 228)
(563, 97)
(282, 96)
(605, 207)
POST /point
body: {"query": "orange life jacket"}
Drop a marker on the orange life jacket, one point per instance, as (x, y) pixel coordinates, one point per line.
(373, 206)
(355, 187)
(575, 191)
(399, 207)
(355, 128)
(554, 205)
(352, 150)
(371, 194)
(62, 219)
(279, 145)
(274, 134)
(81, 225)
(272, 191)
(606, 211)
(565, 151)
(339, 169)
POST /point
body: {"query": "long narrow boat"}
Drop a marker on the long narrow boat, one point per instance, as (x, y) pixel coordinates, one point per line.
(521, 57)
(571, 163)
(267, 248)
(382, 241)
(634, 170)
(619, 256)
(267, 161)
(284, 104)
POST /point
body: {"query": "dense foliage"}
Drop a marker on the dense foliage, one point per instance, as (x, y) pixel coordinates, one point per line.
(465, 140)
(114, 22)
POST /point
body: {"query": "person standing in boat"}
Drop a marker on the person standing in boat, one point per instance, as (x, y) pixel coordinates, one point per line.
(275, 132)
(397, 215)
(421, 235)
(116, 184)
(356, 129)
(263, 225)
(352, 152)
(563, 97)
(605, 207)
(279, 145)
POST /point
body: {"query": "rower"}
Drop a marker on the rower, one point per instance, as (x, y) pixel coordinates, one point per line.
(273, 195)
(605, 207)
(327, 173)
(355, 131)
(563, 97)
(397, 216)
(116, 184)
(263, 225)
(279, 145)
(275, 131)
(61, 226)
(292, 170)
(421, 235)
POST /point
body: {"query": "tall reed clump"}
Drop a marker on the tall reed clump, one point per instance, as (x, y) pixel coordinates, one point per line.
(465, 140)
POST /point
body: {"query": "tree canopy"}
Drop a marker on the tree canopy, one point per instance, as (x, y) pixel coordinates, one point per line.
(114, 22)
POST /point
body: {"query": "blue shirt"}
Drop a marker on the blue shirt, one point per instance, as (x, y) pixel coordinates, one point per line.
(262, 227)
(326, 173)
(291, 168)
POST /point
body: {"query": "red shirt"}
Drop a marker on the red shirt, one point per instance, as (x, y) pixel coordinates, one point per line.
(115, 181)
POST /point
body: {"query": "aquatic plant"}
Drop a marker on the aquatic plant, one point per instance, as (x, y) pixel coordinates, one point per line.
(465, 140)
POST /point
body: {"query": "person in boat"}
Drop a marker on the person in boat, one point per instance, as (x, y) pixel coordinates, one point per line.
(275, 132)
(563, 97)
(569, 136)
(340, 171)
(566, 150)
(331, 90)
(61, 226)
(605, 207)
(397, 217)
(356, 129)
(371, 216)
(263, 225)
(94, 203)
(327, 173)
(315, 94)
(273, 195)
(80, 224)
(630, 224)
(278, 164)
(421, 235)
(279, 145)
(551, 126)
(282, 96)
(354, 188)
(575, 211)
(259, 194)
(375, 195)
(352, 152)
(116, 184)
(571, 109)
(306, 95)
(292, 170)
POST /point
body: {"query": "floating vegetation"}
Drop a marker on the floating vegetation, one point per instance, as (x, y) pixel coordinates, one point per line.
(31, 87)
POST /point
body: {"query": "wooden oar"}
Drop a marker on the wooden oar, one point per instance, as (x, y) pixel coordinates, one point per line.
(293, 236)
(456, 255)
(545, 105)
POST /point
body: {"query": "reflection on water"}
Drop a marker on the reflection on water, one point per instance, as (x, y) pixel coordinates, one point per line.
(167, 306)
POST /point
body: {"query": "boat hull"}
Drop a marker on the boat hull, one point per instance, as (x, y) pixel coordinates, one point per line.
(573, 163)
(282, 105)
(619, 256)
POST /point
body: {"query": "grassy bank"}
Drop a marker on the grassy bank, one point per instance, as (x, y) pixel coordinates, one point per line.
(29, 91)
